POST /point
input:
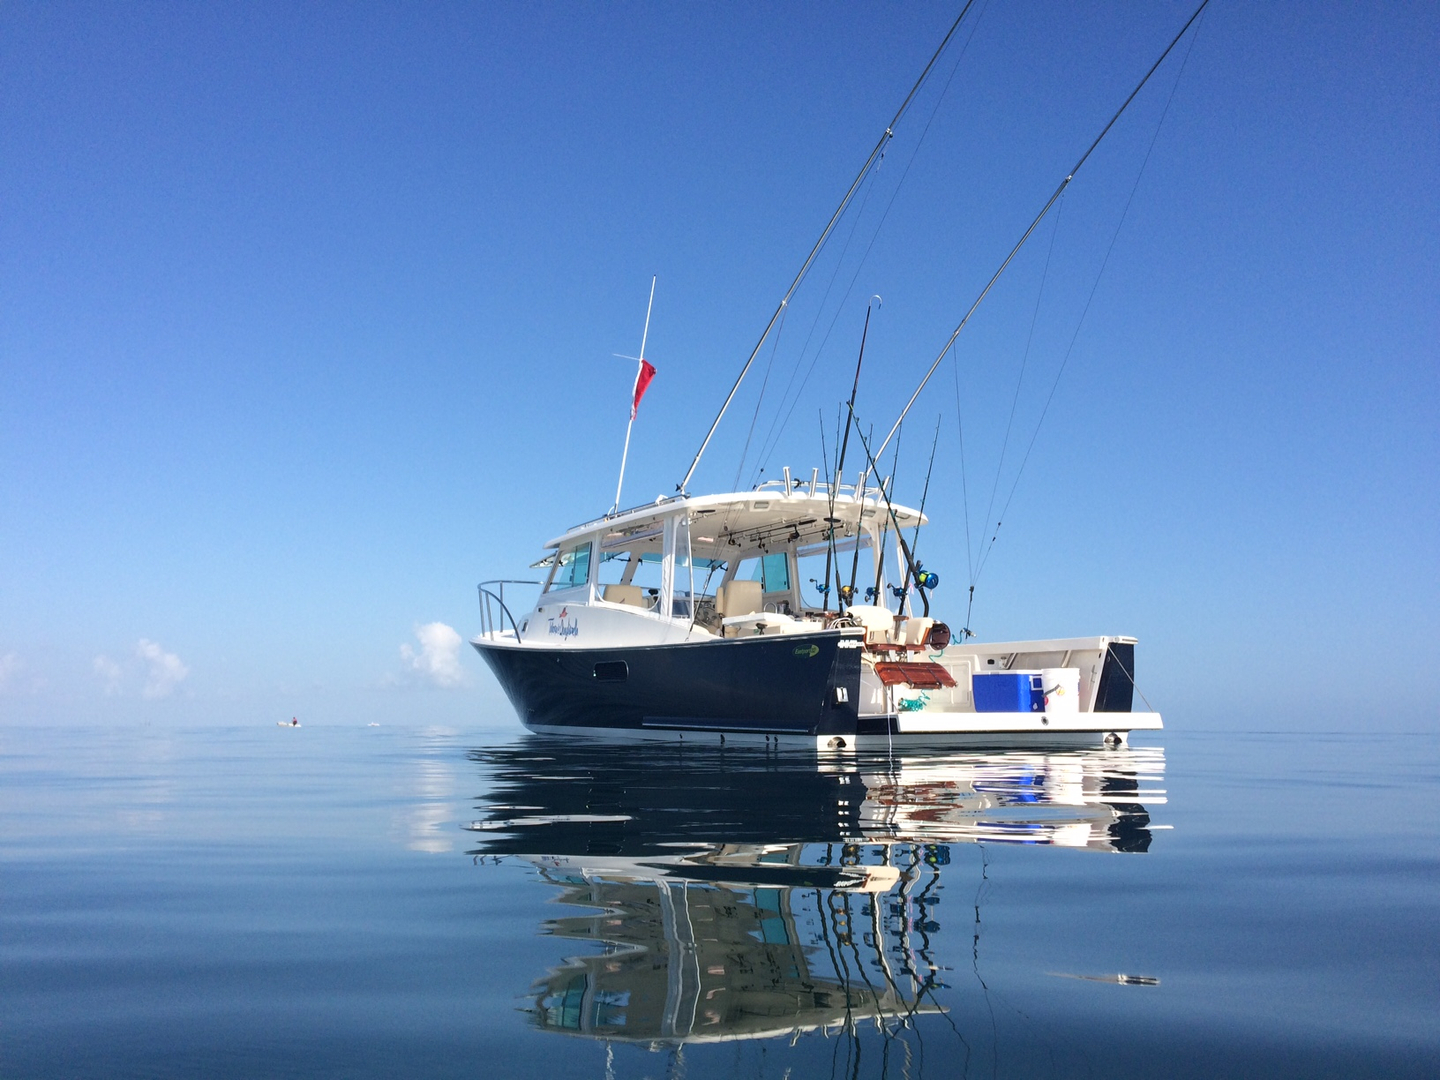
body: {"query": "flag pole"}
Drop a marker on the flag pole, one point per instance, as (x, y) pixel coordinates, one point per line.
(639, 367)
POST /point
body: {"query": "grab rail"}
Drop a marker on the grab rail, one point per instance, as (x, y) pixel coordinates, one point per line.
(491, 620)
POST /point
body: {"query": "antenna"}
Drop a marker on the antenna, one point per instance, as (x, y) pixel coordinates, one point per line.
(639, 367)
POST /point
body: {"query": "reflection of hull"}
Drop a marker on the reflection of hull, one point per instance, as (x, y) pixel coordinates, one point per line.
(1092, 799)
(651, 800)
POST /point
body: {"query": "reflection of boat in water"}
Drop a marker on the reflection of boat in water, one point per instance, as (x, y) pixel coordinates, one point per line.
(699, 961)
(750, 894)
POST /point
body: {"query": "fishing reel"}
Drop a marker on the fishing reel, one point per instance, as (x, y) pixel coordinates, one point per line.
(823, 588)
(847, 593)
(870, 594)
(925, 579)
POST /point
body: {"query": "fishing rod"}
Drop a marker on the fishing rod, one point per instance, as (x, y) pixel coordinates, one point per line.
(840, 467)
(1038, 218)
(824, 587)
(923, 580)
(859, 521)
(875, 155)
(890, 518)
(885, 529)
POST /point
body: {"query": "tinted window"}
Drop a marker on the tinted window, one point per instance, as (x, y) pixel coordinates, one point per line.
(772, 571)
(574, 568)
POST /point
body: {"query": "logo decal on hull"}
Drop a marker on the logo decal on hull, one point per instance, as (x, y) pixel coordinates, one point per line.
(560, 627)
(807, 650)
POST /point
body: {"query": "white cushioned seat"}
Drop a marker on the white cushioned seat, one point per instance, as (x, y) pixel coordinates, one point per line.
(632, 595)
(739, 598)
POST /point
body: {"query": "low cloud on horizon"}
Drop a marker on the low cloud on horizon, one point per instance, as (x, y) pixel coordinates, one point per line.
(161, 671)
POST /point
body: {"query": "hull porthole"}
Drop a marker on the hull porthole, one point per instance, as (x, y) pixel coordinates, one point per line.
(837, 743)
(1112, 740)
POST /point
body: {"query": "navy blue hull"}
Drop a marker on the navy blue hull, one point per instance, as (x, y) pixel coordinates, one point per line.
(777, 685)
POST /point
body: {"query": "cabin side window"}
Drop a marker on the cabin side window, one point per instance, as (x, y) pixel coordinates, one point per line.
(572, 568)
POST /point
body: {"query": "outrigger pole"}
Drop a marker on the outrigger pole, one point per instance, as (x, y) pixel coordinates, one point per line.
(825, 235)
(639, 368)
(1038, 218)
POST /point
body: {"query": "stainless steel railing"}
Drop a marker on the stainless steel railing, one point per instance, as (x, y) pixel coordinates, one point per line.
(494, 615)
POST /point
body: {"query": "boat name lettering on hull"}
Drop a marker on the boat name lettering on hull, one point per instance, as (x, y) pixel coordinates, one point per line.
(562, 628)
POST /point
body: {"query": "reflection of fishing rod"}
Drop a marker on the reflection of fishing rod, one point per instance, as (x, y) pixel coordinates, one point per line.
(860, 967)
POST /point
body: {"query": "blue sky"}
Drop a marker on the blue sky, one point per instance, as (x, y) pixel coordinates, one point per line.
(307, 319)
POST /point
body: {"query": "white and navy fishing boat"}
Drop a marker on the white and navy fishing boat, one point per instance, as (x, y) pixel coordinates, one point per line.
(694, 617)
(795, 610)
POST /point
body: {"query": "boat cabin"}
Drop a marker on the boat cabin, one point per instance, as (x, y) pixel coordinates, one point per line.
(725, 565)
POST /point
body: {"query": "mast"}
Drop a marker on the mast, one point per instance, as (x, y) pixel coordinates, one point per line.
(639, 367)
(885, 137)
(1065, 183)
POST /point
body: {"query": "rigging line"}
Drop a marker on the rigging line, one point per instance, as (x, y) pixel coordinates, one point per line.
(766, 447)
(1065, 183)
(885, 137)
(964, 483)
(865, 255)
(744, 453)
(1090, 299)
(1024, 362)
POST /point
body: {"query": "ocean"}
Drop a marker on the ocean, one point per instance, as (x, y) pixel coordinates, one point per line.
(411, 900)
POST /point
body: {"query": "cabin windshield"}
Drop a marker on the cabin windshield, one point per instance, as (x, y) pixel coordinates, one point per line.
(572, 568)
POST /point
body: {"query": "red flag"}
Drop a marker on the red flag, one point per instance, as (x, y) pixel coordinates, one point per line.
(642, 380)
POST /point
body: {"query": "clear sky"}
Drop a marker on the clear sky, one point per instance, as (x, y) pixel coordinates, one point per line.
(308, 314)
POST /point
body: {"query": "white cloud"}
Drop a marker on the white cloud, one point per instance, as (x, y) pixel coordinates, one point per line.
(109, 673)
(438, 660)
(165, 669)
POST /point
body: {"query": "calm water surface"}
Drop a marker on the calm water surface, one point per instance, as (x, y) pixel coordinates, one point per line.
(357, 902)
